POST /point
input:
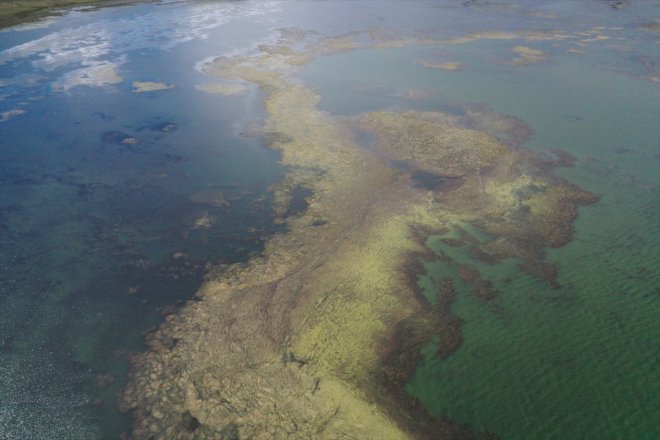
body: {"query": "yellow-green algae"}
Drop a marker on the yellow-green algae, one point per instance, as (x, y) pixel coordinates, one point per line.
(429, 143)
(314, 338)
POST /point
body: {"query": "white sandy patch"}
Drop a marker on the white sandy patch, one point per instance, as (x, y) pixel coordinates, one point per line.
(528, 55)
(223, 89)
(150, 86)
(5, 116)
(449, 66)
(93, 76)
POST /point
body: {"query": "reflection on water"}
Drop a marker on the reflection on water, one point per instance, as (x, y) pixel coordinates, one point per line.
(113, 205)
(103, 231)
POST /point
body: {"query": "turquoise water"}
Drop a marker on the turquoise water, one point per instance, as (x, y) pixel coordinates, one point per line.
(575, 362)
(114, 204)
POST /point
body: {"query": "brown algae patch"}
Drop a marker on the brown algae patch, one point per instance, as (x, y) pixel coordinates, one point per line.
(506, 128)
(315, 337)
(212, 198)
(653, 26)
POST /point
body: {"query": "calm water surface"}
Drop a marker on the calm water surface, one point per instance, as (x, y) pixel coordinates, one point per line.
(114, 203)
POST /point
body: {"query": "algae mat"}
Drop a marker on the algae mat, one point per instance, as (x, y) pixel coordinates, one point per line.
(317, 337)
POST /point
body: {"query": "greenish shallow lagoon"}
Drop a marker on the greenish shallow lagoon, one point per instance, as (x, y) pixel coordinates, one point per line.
(579, 361)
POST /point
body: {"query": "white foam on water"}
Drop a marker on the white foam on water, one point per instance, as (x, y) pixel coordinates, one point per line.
(163, 28)
(103, 41)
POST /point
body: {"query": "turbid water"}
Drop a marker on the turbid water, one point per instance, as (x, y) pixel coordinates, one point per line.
(115, 204)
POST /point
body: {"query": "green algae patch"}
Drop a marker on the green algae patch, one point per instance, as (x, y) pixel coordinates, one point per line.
(430, 143)
(316, 337)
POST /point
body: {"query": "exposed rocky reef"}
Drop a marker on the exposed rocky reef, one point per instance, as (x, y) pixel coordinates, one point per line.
(316, 337)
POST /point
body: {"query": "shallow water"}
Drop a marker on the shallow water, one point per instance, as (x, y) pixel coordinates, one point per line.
(573, 362)
(102, 234)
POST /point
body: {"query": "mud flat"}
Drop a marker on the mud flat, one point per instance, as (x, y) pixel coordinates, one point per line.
(316, 337)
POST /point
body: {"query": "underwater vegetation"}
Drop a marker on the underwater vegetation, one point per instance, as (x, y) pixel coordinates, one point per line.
(316, 337)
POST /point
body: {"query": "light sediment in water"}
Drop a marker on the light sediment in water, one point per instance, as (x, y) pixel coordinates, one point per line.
(94, 76)
(149, 86)
(223, 89)
(527, 55)
(448, 66)
(9, 114)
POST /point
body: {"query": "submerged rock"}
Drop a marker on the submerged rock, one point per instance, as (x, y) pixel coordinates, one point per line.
(211, 198)
(119, 138)
(167, 127)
